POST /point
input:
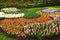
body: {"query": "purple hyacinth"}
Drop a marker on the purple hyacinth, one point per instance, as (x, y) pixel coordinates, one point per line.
(49, 11)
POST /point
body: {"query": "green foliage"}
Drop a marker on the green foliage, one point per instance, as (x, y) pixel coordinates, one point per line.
(27, 3)
(16, 12)
(37, 36)
(4, 37)
(1, 5)
(31, 15)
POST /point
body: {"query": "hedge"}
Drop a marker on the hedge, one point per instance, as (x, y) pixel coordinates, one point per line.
(27, 3)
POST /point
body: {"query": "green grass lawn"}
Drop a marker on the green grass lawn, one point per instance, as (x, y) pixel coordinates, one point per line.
(4, 37)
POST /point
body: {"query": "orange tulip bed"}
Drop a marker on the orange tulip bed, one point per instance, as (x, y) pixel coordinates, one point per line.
(15, 25)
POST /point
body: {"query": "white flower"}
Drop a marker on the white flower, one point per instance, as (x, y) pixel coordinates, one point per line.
(2, 14)
(9, 9)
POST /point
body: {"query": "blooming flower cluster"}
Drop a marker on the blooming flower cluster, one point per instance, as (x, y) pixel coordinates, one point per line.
(9, 9)
(49, 11)
(18, 26)
(43, 29)
(2, 14)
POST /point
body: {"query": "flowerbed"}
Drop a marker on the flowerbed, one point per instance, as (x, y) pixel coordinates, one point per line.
(3, 15)
(9, 9)
(15, 13)
(31, 25)
(52, 13)
(17, 25)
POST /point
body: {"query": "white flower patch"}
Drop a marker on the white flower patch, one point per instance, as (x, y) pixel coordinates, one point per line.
(9, 9)
(2, 14)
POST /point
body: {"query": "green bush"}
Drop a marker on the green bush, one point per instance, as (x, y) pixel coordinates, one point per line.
(27, 3)
(1, 5)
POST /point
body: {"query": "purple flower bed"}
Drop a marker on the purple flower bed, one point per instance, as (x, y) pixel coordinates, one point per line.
(50, 11)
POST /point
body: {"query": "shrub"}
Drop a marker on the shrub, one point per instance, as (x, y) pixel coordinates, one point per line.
(28, 3)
